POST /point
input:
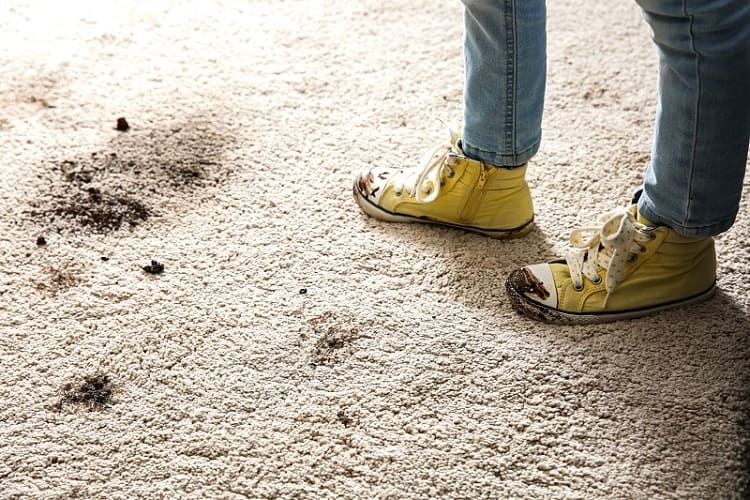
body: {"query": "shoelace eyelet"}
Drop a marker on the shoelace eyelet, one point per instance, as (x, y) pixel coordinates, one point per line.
(632, 257)
(597, 281)
(578, 289)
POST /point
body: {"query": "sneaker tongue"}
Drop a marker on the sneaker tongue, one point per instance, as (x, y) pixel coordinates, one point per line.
(642, 220)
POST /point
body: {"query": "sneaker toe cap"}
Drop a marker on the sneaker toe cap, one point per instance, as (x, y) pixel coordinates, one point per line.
(370, 182)
(536, 283)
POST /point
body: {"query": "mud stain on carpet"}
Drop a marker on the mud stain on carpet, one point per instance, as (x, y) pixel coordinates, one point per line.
(335, 336)
(93, 393)
(99, 211)
(134, 177)
(57, 279)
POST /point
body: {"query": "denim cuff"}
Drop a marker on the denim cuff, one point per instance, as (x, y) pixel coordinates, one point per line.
(711, 229)
(495, 159)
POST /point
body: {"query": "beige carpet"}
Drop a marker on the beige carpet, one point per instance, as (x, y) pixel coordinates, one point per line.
(291, 347)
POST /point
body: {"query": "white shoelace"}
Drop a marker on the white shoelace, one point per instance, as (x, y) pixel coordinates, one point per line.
(620, 234)
(424, 181)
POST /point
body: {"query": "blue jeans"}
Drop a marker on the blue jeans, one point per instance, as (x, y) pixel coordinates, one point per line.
(694, 181)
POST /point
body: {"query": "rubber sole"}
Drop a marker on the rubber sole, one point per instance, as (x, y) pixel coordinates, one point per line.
(378, 213)
(547, 314)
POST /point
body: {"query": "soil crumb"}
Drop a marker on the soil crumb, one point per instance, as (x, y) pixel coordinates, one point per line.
(154, 268)
(122, 125)
(345, 419)
(41, 241)
(93, 393)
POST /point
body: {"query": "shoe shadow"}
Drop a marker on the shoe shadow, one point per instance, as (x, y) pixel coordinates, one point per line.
(677, 389)
(731, 373)
(459, 265)
(665, 395)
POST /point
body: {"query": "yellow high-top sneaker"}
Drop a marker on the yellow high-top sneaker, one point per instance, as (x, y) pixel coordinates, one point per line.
(452, 190)
(622, 269)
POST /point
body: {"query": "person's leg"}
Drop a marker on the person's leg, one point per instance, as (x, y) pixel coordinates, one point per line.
(505, 62)
(694, 181)
(662, 254)
(457, 184)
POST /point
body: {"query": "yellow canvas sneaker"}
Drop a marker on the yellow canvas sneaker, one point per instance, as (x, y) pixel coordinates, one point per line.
(623, 268)
(451, 189)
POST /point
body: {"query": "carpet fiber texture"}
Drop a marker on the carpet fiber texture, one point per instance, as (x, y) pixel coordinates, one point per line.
(290, 347)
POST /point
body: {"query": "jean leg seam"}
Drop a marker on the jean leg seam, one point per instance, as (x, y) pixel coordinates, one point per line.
(510, 34)
(697, 113)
